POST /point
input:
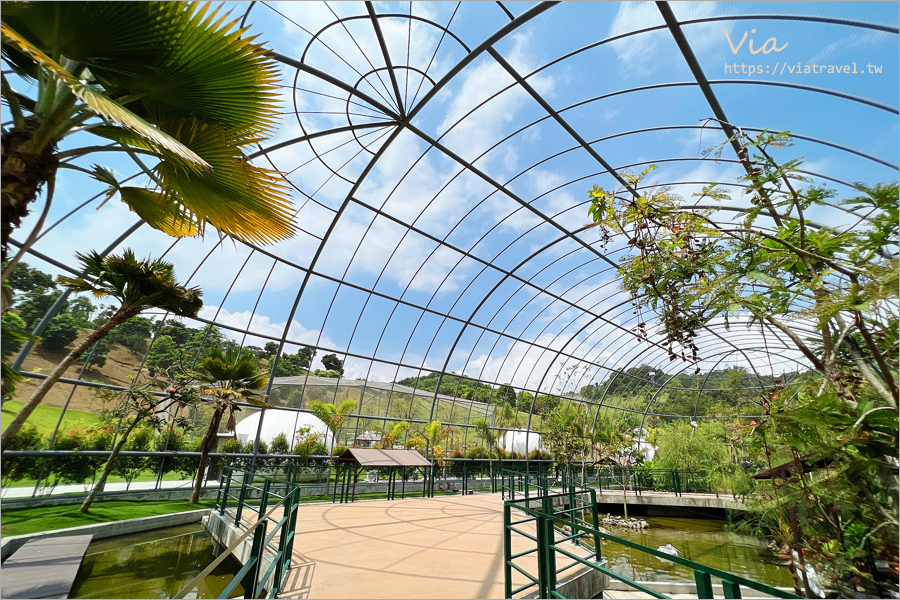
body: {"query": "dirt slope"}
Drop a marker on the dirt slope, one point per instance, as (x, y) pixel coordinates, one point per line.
(121, 363)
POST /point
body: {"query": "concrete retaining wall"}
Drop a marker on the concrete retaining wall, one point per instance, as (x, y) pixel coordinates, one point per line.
(583, 583)
(223, 531)
(106, 530)
(668, 587)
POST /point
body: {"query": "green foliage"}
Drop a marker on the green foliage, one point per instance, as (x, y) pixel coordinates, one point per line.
(451, 385)
(332, 363)
(393, 434)
(338, 450)
(545, 403)
(61, 331)
(687, 267)
(179, 81)
(24, 278)
(307, 444)
(505, 395)
(81, 310)
(523, 401)
(35, 304)
(15, 334)
(333, 416)
(98, 353)
(565, 433)
(164, 354)
(681, 447)
(330, 373)
(280, 444)
(136, 284)
(129, 467)
(134, 334)
(22, 467)
(291, 365)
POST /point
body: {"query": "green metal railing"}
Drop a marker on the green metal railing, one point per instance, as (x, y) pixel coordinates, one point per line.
(562, 517)
(238, 486)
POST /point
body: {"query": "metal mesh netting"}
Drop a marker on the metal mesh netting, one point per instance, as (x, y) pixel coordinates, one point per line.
(440, 154)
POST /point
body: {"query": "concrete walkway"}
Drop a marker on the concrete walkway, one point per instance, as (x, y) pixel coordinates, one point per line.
(26, 492)
(442, 547)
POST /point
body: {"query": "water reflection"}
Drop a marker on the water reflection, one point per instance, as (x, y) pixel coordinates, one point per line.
(700, 540)
(153, 564)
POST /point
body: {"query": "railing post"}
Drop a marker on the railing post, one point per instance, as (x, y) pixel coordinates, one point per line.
(245, 481)
(704, 584)
(550, 540)
(507, 551)
(227, 474)
(251, 579)
(542, 550)
(263, 503)
(295, 508)
(596, 524)
(731, 589)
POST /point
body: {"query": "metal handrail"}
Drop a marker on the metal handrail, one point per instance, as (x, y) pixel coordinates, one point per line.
(547, 520)
(260, 540)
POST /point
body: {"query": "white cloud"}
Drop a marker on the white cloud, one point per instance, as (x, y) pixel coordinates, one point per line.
(645, 52)
(263, 324)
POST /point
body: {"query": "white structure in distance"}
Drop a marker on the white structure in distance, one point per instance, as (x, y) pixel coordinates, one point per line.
(522, 441)
(278, 421)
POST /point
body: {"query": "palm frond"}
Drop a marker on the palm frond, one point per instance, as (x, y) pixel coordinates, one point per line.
(237, 198)
(101, 105)
(161, 211)
(138, 284)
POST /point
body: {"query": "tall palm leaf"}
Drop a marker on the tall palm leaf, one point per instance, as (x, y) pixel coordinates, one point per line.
(226, 378)
(176, 81)
(138, 285)
(334, 417)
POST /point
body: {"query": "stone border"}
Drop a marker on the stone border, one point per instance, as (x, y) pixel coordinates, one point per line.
(106, 530)
(173, 494)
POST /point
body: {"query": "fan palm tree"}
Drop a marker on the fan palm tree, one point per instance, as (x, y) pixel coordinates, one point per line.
(138, 285)
(333, 416)
(175, 82)
(226, 377)
(434, 435)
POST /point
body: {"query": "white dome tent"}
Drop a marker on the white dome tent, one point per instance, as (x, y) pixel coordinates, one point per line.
(522, 441)
(282, 421)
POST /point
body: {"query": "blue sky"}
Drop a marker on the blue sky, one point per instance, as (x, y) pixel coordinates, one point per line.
(424, 229)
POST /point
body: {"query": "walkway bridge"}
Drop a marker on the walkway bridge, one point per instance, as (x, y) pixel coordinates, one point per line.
(554, 519)
(529, 539)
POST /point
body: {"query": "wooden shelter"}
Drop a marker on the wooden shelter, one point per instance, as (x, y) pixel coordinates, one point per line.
(354, 460)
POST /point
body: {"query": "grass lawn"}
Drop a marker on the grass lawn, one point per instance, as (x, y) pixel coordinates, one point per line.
(18, 521)
(45, 418)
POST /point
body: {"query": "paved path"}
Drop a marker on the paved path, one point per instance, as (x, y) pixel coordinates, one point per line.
(44, 568)
(442, 547)
(26, 492)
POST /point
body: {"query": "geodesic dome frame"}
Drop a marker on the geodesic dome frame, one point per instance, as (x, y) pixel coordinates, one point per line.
(453, 145)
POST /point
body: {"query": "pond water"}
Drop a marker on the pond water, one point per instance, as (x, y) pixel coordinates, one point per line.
(153, 564)
(700, 540)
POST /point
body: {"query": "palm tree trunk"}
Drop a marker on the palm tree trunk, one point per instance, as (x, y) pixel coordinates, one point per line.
(204, 456)
(110, 463)
(12, 429)
(23, 173)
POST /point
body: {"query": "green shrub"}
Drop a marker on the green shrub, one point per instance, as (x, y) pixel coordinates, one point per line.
(22, 467)
(62, 331)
